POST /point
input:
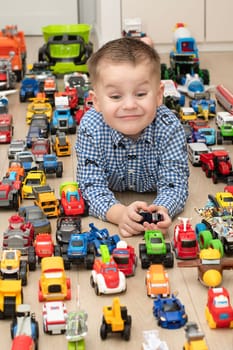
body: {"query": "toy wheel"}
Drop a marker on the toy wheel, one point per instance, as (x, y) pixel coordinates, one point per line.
(169, 260)
(214, 177)
(22, 98)
(142, 249)
(103, 331)
(126, 332)
(204, 239)
(145, 262)
(40, 296)
(97, 291)
(16, 202)
(219, 138)
(13, 325)
(59, 171)
(217, 244)
(57, 250)
(198, 228)
(68, 283)
(226, 247)
(31, 258)
(92, 283)
(68, 296)
(23, 272)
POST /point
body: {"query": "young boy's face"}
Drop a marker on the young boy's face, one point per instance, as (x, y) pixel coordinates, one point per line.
(127, 96)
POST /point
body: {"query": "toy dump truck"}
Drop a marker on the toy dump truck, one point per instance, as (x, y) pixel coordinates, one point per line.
(45, 198)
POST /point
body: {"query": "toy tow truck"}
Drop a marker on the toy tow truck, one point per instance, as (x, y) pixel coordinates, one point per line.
(116, 320)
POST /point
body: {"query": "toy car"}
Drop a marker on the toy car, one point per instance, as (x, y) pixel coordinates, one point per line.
(157, 282)
(25, 323)
(45, 198)
(76, 329)
(125, 257)
(39, 106)
(205, 108)
(27, 160)
(185, 243)
(106, 278)
(54, 317)
(186, 114)
(66, 225)
(44, 246)
(61, 144)
(13, 267)
(40, 147)
(116, 320)
(50, 165)
(62, 121)
(72, 202)
(11, 295)
(34, 178)
(15, 147)
(10, 190)
(169, 312)
(29, 88)
(195, 338)
(35, 215)
(53, 284)
(6, 128)
(39, 128)
(17, 168)
(218, 310)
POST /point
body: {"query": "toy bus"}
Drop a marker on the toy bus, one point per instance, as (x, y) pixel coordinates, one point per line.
(224, 97)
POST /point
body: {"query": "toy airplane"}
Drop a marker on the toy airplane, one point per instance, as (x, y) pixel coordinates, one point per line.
(193, 86)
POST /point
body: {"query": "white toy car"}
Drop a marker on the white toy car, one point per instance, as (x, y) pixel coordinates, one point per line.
(54, 317)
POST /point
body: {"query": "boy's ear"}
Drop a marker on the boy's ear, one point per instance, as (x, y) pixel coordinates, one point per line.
(160, 94)
(95, 100)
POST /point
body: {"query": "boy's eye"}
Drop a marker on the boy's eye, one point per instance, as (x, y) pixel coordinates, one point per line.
(141, 94)
(115, 97)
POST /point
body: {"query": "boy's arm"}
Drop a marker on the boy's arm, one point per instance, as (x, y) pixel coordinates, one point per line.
(172, 186)
(91, 176)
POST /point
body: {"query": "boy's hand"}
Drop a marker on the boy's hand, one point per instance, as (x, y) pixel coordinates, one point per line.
(128, 218)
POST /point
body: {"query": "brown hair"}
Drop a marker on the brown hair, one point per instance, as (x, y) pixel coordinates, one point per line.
(124, 50)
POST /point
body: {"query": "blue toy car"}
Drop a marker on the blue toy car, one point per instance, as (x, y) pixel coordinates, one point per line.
(63, 121)
(99, 237)
(29, 88)
(170, 312)
(51, 165)
(209, 134)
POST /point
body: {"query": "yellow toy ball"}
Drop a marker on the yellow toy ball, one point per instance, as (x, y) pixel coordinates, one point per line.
(212, 278)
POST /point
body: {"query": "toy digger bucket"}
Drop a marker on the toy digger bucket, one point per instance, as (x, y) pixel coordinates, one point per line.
(70, 186)
(82, 30)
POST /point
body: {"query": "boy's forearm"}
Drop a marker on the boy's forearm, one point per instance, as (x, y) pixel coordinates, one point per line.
(115, 213)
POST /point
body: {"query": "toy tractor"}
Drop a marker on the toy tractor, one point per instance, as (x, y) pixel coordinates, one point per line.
(116, 320)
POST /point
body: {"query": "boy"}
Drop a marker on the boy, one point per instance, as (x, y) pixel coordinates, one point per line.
(129, 141)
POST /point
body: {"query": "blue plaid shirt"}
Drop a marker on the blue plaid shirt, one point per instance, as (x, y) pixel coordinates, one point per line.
(108, 161)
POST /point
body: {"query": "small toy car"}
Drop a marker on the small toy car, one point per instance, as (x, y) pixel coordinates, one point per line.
(169, 312)
(125, 257)
(157, 282)
(25, 323)
(66, 225)
(32, 179)
(116, 320)
(44, 246)
(61, 144)
(27, 159)
(106, 278)
(72, 202)
(76, 329)
(35, 215)
(154, 217)
(13, 267)
(186, 114)
(15, 147)
(39, 106)
(218, 310)
(40, 147)
(195, 338)
(54, 317)
(29, 88)
(50, 165)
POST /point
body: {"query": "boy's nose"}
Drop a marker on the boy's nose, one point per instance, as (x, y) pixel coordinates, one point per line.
(129, 102)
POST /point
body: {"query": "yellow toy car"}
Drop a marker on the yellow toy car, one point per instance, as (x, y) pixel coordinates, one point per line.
(45, 199)
(12, 267)
(39, 106)
(53, 283)
(186, 114)
(32, 179)
(61, 145)
(11, 295)
(195, 338)
(224, 199)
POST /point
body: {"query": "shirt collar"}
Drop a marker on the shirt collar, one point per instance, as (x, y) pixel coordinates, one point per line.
(147, 136)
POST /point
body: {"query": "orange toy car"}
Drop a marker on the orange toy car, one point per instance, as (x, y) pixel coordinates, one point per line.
(157, 282)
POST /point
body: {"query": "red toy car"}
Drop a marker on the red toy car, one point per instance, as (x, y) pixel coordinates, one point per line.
(40, 147)
(6, 128)
(218, 311)
(10, 193)
(23, 341)
(185, 244)
(88, 103)
(44, 246)
(198, 124)
(125, 257)
(72, 202)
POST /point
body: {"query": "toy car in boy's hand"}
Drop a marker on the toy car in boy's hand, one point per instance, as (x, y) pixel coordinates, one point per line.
(151, 218)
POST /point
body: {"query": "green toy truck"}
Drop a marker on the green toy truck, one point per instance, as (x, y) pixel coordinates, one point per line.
(155, 250)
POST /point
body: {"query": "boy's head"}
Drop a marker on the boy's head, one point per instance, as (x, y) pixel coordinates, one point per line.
(125, 75)
(124, 50)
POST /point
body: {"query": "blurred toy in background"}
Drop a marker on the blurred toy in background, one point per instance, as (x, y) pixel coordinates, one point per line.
(132, 28)
(224, 97)
(195, 338)
(152, 341)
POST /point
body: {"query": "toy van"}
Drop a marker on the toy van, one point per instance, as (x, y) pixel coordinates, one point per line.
(223, 118)
(194, 151)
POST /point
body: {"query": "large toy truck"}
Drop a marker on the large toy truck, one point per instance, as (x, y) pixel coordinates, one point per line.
(13, 41)
(155, 250)
(217, 165)
(184, 58)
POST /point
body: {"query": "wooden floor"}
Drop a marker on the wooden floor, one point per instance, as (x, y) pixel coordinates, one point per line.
(184, 281)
